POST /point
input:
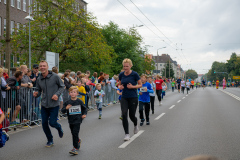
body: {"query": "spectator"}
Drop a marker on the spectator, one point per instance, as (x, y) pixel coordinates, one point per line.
(4, 87)
(14, 83)
(25, 84)
(50, 86)
(77, 78)
(94, 78)
(5, 74)
(35, 74)
(55, 70)
(72, 75)
(113, 87)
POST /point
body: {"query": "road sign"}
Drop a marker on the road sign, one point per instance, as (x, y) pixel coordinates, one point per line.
(236, 77)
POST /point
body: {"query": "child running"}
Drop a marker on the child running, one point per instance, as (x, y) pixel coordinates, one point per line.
(76, 112)
(144, 99)
(188, 85)
(183, 85)
(152, 95)
(81, 90)
(217, 83)
(119, 92)
(164, 88)
(99, 94)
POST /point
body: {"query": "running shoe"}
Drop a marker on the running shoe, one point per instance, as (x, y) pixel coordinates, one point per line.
(147, 123)
(99, 117)
(136, 129)
(49, 144)
(161, 103)
(142, 121)
(127, 137)
(79, 143)
(60, 132)
(74, 151)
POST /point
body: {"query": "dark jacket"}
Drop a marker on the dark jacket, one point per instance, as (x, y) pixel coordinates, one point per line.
(34, 76)
(49, 86)
(76, 118)
(67, 83)
(12, 82)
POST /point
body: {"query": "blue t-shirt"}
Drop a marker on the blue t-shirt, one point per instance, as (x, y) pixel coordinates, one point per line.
(145, 97)
(120, 96)
(125, 80)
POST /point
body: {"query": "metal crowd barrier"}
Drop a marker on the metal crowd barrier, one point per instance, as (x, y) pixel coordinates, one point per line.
(20, 108)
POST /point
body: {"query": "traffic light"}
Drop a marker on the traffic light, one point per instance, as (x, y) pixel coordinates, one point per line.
(214, 71)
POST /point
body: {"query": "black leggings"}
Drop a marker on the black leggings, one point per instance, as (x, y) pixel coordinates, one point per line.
(75, 128)
(131, 105)
(146, 107)
(159, 93)
(152, 99)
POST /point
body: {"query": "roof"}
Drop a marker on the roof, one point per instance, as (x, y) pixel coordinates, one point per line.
(164, 58)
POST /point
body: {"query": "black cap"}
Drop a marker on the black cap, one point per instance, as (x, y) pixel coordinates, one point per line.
(35, 66)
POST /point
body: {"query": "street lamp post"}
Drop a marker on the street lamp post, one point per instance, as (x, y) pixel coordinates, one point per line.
(158, 58)
(29, 18)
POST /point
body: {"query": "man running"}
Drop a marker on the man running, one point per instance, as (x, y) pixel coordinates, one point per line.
(203, 83)
(51, 87)
(179, 84)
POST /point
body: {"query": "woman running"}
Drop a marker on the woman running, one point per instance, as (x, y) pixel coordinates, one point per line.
(158, 83)
(183, 85)
(224, 83)
(129, 82)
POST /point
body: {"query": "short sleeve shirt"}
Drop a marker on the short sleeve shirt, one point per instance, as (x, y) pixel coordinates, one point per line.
(99, 97)
(1, 112)
(125, 80)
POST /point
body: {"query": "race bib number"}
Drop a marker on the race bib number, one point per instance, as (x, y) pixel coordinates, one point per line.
(75, 110)
(143, 89)
(98, 100)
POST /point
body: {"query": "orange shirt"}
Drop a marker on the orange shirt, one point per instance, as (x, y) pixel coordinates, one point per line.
(192, 82)
(217, 82)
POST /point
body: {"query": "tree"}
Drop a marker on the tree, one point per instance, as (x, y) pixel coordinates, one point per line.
(192, 74)
(126, 44)
(233, 65)
(59, 26)
(166, 68)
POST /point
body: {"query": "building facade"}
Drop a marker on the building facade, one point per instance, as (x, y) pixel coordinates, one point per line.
(19, 9)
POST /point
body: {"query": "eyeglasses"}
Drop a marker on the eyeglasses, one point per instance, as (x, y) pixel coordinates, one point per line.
(36, 68)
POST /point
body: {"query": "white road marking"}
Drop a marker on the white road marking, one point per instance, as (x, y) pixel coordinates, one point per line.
(159, 116)
(125, 144)
(186, 95)
(183, 98)
(178, 101)
(230, 94)
(172, 107)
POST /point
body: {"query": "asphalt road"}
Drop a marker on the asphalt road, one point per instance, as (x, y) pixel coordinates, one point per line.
(203, 122)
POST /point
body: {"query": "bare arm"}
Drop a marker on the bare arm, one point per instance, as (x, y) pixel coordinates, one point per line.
(2, 117)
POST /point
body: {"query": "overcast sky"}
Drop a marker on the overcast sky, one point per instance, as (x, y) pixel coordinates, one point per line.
(203, 31)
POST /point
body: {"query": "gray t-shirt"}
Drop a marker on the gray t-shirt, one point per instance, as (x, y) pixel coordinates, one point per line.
(24, 80)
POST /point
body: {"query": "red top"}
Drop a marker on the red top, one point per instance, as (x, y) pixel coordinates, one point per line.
(1, 112)
(158, 84)
(5, 75)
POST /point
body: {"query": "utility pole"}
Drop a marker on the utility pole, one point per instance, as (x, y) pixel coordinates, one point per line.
(169, 67)
(7, 50)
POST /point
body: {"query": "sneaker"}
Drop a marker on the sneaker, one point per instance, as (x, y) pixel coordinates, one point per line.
(60, 132)
(74, 151)
(79, 143)
(161, 103)
(127, 137)
(147, 123)
(121, 118)
(136, 129)
(142, 121)
(99, 117)
(49, 144)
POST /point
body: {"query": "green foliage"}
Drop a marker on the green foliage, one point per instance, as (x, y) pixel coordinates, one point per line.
(192, 74)
(126, 44)
(217, 67)
(167, 70)
(233, 65)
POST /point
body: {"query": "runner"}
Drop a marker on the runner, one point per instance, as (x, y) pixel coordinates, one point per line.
(51, 87)
(217, 83)
(203, 83)
(192, 83)
(213, 83)
(158, 83)
(179, 84)
(144, 100)
(183, 85)
(164, 88)
(152, 95)
(76, 111)
(188, 85)
(119, 92)
(173, 84)
(129, 82)
(224, 83)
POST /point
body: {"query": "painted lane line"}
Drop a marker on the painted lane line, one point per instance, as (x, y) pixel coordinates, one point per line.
(186, 95)
(172, 107)
(183, 98)
(125, 144)
(178, 101)
(160, 116)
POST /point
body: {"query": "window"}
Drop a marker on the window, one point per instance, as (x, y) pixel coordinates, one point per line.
(5, 1)
(29, 7)
(5, 25)
(12, 27)
(12, 3)
(0, 24)
(18, 26)
(24, 5)
(18, 4)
